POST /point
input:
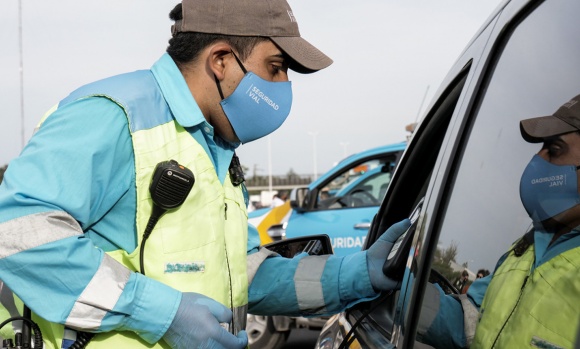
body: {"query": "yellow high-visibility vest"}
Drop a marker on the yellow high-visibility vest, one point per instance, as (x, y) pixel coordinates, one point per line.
(526, 309)
(200, 247)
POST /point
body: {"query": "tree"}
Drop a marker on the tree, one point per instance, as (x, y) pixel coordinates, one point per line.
(291, 174)
(443, 259)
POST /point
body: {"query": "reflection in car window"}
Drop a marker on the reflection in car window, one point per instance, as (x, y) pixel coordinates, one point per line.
(536, 72)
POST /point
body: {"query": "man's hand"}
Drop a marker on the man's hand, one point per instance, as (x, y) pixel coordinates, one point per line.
(377, 255)
(197, 325)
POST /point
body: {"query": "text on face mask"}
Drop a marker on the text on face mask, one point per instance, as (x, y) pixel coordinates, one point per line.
(555, 180)
(258, 95)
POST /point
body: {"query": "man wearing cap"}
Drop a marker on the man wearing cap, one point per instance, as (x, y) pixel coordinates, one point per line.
(74, 207)
(532, 298)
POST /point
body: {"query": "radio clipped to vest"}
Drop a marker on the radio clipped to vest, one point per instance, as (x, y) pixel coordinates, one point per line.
(170, 185)
(236, 171)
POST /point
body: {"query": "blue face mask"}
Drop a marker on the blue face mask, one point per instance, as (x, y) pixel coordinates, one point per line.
(547, 189)
(257, 107)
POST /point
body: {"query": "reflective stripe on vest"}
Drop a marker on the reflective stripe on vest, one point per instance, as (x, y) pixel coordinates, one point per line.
(200, 247)
(522, 310)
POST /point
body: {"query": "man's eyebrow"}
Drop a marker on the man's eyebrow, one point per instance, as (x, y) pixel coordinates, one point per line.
(280, 55)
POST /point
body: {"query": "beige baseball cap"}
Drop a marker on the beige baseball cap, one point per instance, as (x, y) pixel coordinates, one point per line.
(268, 18)
(565, 120)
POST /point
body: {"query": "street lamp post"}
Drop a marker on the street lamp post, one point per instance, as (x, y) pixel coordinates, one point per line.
(20, 39)
(314, 134)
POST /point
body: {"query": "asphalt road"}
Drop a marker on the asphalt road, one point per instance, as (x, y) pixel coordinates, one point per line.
(301, 339)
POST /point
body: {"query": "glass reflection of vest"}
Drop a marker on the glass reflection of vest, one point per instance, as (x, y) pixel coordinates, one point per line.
(538, 309)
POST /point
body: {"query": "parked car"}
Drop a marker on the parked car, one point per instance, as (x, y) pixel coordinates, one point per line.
(464, 163)
(343, 201)
(340, 204)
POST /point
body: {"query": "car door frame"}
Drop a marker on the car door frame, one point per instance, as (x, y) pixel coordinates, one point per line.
(490, 47)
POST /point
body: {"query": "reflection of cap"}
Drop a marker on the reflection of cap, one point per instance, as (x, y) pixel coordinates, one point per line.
(565, 120)
(268, 18)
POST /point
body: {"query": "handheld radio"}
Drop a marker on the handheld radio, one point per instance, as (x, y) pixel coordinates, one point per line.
(170, 185)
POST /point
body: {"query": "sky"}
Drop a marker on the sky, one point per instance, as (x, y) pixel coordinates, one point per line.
(390, 56)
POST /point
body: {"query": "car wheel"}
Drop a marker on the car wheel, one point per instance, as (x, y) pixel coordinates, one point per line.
(262, 334)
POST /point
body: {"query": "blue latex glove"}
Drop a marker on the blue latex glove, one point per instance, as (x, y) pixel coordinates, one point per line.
(377, 255)
(197, 325)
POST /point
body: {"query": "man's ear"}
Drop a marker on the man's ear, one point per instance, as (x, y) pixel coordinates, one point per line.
(217, 58)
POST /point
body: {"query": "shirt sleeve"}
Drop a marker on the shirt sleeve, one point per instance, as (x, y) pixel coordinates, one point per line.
(309, 285)
(455, 319)
(71, 173)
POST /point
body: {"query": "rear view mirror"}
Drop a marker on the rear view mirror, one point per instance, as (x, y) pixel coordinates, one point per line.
(314, 245)
(298, 199)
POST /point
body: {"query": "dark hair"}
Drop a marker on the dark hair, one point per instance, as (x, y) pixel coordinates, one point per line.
(483, 272)
(184, 47)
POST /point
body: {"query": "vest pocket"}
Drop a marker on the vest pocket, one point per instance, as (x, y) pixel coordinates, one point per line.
(562, 298)
(198, 223)
(177, 241)
(191, 230)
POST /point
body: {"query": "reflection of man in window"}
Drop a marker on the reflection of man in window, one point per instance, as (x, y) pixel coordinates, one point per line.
(532, 298)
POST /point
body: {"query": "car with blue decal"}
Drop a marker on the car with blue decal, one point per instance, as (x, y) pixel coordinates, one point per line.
(344, 200)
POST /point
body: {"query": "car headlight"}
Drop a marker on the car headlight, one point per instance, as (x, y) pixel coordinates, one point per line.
(277, 231)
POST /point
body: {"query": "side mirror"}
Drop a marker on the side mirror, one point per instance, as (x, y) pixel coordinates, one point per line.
(298, 200)
(315, 245)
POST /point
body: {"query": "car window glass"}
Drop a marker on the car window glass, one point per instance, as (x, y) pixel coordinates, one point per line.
(485, 214)
(375, 184)
(536, 73)
(357, 186)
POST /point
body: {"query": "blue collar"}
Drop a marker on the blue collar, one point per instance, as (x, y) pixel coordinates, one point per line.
(544, 253)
